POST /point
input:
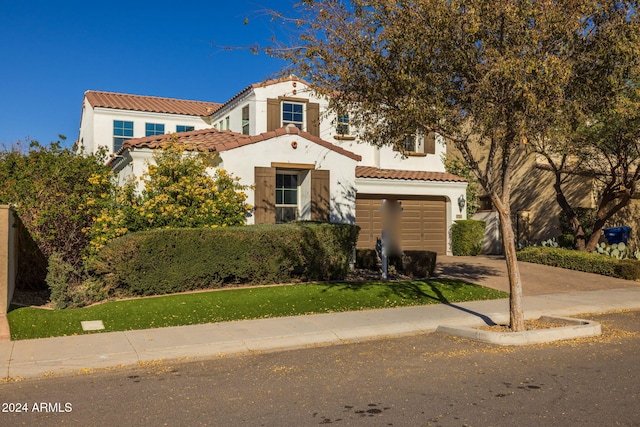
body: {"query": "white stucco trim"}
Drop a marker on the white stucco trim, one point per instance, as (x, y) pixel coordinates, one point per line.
(405, 187)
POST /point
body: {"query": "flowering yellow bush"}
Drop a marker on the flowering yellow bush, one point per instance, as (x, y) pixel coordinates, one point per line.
(178, 193)
(57, 195)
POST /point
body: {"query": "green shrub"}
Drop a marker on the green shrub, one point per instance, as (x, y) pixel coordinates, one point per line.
(419, 263)
(327, 249)
(566, 241)
(466, 237)
(581, 261)
(69, 288)
(174, 260)
(63, 280)
(367, 259)
(586, 216)
(179, 192)
(411, 263)
(57, 195)
(628, 269)
(57, 278)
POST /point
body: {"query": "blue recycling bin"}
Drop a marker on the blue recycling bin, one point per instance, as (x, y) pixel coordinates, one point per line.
(617, 234)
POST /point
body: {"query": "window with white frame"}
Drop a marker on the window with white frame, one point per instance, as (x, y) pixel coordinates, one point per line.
(293, 113)
(183, 128)
(245, 120)
(122, 130)
(412, 144)
(286, 196)
(342, 127)
(409, 144)
(151, 129)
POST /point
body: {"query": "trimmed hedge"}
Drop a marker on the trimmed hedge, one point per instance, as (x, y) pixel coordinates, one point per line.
(582, 261)
(412, 263)
(419, 263)
(367, 259)
(466, 237)
(174, 260)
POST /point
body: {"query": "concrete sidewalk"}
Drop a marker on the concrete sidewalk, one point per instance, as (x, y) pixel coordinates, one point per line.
(63, 355)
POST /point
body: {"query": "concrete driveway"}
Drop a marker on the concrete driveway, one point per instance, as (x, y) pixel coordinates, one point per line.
(491, 271)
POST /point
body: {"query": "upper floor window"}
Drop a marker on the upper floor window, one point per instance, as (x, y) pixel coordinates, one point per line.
(245, 120)
(299, 112)
(342, 127)
(411, 144)
(183, 128)
(227, 121)
(122, 131)
(293, 113)
(151, 129)
(418, 144)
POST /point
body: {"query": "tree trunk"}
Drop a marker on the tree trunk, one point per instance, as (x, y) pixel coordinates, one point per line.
(578, 231)
(516, 312)
(593, 241)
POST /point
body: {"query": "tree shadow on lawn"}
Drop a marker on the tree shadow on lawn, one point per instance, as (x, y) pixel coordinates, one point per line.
(411, 290)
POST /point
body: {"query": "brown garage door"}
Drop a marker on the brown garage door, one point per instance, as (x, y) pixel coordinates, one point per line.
(423, 224)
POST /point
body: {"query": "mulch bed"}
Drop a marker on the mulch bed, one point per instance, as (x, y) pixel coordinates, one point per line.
(529, 325)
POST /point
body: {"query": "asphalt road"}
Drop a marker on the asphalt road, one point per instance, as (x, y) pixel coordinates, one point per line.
(426, 380)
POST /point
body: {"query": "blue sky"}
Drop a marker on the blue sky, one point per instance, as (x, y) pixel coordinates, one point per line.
(53, 51)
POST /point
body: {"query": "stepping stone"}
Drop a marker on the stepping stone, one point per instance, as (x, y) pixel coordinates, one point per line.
(92, 325)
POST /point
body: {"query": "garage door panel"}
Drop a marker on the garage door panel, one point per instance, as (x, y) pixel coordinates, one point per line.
(429, 232)
(369, 218)
(422, 223)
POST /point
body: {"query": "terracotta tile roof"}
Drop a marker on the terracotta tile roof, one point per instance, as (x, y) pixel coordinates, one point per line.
(291, 78)
(151, 104)
(216, 140)
(373, 172)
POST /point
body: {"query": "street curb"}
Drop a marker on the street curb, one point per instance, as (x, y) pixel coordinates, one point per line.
(576, 328)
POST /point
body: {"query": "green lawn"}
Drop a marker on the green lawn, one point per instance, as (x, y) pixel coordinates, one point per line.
(242, 303)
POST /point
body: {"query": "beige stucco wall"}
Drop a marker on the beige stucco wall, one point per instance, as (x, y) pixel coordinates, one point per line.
(7, 258)
(534, 208)
(534, 198)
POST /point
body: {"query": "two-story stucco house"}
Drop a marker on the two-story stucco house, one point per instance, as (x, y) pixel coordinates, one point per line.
(302, 161)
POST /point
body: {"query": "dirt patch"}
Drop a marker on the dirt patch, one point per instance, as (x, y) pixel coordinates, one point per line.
(530, 325)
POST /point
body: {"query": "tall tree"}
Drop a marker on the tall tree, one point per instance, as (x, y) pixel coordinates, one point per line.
(599, 133)
(488, 75)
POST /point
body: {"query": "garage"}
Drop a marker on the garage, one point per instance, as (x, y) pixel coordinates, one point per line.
(423, 224)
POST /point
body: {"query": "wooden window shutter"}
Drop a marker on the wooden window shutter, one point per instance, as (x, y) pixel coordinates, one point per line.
(274, 120)
(313, 118)
(320, 195)
(430, 143)
(265, 196)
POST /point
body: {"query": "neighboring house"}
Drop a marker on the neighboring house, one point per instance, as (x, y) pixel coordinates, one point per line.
(302, 161)
(534, 209)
